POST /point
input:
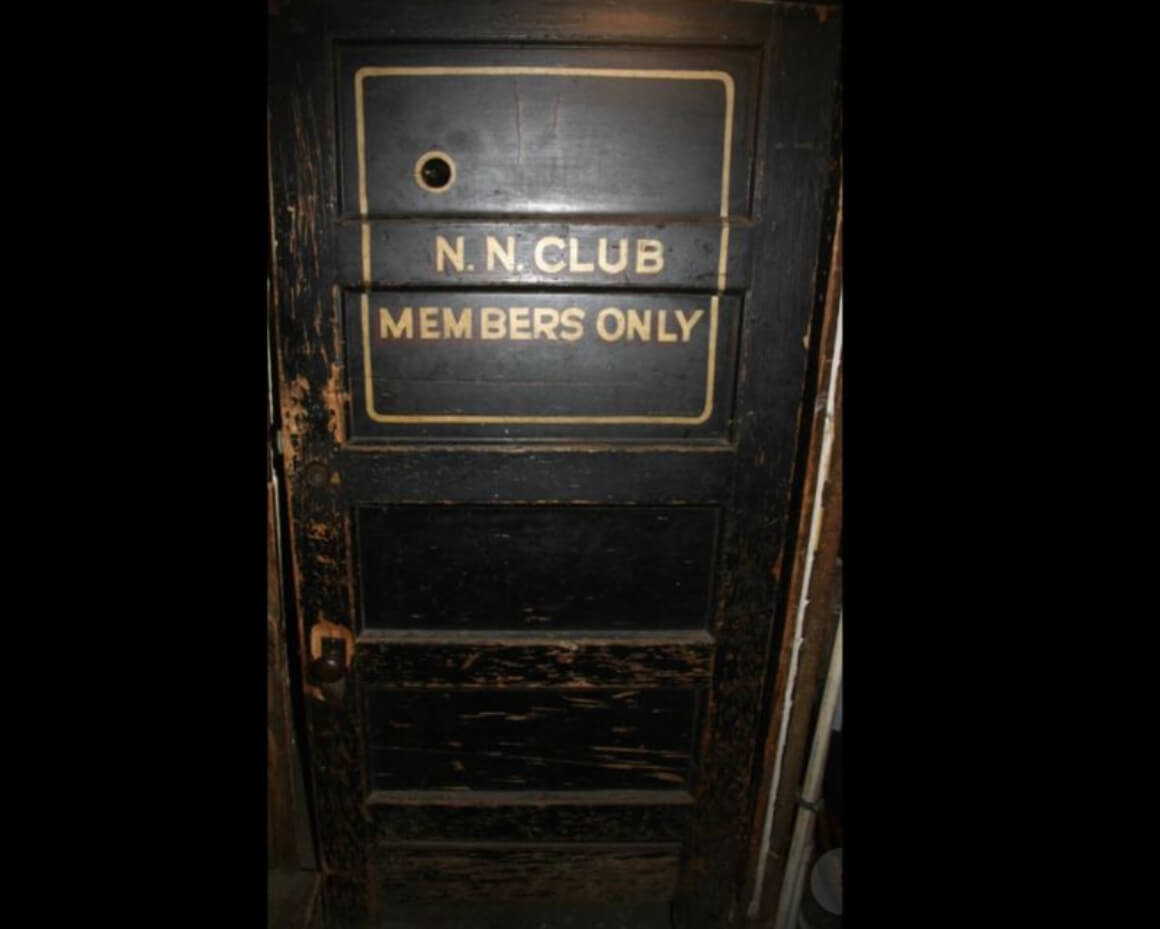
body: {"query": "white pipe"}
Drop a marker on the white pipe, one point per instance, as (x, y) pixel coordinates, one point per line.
(803, 601)
(800, 847)
(796, 879)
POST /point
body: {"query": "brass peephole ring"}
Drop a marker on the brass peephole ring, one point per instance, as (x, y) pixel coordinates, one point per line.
(435, 172)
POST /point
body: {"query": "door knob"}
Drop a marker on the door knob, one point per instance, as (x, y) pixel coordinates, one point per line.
(330, 666)
(331, 651)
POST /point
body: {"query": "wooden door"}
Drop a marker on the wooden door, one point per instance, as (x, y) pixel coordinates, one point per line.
(544, 272)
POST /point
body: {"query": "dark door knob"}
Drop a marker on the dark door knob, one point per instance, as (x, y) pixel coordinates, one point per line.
(330, 666)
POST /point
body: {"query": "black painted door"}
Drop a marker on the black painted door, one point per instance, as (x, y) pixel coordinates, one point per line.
(544, 273)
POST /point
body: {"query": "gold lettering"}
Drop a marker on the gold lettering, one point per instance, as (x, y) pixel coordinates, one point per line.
(640, 324)
(428, 323)
(663, 334)
(492, 323)
(572, 320)
(540, 322)
(520, 323)
(506, 256)
(389, 329)
(453, 329)
(649, 256)
(443, 250)
(602, 257)
(538, 254)
(615, 314)
(574, 253)
(687, 325)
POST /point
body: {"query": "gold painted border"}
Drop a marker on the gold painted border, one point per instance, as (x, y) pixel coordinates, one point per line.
(723, 77)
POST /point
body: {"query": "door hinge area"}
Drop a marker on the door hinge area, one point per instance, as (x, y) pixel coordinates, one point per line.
(277, 444)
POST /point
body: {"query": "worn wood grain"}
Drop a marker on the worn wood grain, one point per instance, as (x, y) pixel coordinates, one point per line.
(303, 176)
(681, 22)
(564, 873)
(552, 915)
(520, 740)
(531, 816)
(463, 659)
(577, 473)
(281, 832)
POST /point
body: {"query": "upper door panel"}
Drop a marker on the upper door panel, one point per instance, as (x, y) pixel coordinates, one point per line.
(545, 131)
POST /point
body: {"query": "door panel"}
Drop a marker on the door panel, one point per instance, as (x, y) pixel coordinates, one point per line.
(536, 569)
(543, 281)
(540, 130)
(531, 816)
(569, 872)
(424, 659)
(460, 364)
(530, 740)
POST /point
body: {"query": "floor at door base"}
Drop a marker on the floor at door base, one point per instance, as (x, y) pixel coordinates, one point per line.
(289, 895)
(528, 916)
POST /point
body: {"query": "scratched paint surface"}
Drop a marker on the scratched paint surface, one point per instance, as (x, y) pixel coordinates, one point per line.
(536, 568)
(542, 740)
(566, 872)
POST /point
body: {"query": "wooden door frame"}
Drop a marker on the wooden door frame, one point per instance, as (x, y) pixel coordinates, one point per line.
(772, 824)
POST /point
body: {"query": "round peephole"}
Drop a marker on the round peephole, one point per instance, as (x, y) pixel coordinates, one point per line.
(435, 172)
